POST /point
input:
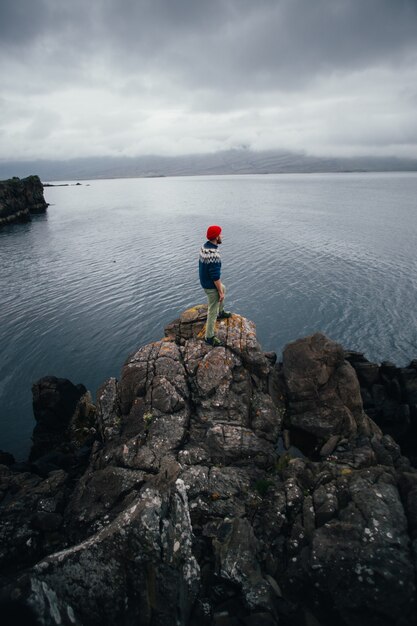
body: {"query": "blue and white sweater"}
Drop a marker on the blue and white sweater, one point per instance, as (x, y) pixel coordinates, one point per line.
(209, 265)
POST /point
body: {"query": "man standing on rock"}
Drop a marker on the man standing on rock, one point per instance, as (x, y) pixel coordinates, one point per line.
(210, 266)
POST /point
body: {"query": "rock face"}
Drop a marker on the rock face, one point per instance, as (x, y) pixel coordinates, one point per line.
(221, 488)
(20, 198)
(389, 395)
(54, 404)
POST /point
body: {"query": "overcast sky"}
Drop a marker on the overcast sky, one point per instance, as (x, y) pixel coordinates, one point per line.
(131, 77)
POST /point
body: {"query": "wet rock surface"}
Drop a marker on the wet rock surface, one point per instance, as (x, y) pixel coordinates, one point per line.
(21, 198)
(218, 487)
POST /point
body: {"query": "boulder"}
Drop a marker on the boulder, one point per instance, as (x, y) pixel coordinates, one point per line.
(323, 390)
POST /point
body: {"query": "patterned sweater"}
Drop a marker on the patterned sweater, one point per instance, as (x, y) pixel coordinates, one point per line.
(209, 265)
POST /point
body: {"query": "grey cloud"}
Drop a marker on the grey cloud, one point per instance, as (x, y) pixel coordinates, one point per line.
(289, 44)
(42, 125)
(235, 67)
(21, 21)
(221, 44)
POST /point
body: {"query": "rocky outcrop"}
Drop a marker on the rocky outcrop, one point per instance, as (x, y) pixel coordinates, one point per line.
(65, 418)
(221, 487)
(20, 198)
(389, 395)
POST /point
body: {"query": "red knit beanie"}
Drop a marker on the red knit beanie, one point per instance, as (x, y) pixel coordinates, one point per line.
(213, 232)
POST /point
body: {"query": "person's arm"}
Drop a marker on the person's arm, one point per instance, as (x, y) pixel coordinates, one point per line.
(219, 288)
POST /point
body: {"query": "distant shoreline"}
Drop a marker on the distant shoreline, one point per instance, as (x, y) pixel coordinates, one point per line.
(227, 162)
(52, 183)
(61, 184)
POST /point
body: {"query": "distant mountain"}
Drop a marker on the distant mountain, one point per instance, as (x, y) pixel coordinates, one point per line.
(238, 161)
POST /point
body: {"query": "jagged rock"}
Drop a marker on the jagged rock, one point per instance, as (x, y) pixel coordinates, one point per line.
(368, 373)
(187, 511)
(19, 198)
(359, 565)
(108, 412)
(54, 403)
(189, 325)
(323, 390)
(26, 497)
(237, 333)
(389, 397)
(81, 429)
(235, 550)
(408, 379)
(388, 369)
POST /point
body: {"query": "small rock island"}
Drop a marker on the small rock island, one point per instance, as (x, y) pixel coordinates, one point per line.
(214, 486)
(20, 198)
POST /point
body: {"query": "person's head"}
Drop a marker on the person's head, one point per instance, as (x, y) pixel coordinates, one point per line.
(214, 234)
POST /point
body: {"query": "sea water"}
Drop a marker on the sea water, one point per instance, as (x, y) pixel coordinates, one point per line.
(113, 261)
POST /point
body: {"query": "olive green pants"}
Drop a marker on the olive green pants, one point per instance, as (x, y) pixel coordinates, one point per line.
(214, 308)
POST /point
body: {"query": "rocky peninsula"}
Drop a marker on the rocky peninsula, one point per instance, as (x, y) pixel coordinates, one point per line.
(21, 198)
(217, 486)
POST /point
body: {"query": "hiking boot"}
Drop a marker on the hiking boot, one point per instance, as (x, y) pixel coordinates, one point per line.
(224, 315)
(213, 341)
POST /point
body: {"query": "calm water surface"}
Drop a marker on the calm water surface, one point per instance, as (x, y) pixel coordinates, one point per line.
(111, 263)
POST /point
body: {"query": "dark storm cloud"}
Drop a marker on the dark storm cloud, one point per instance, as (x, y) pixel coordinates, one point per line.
(267, 44)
